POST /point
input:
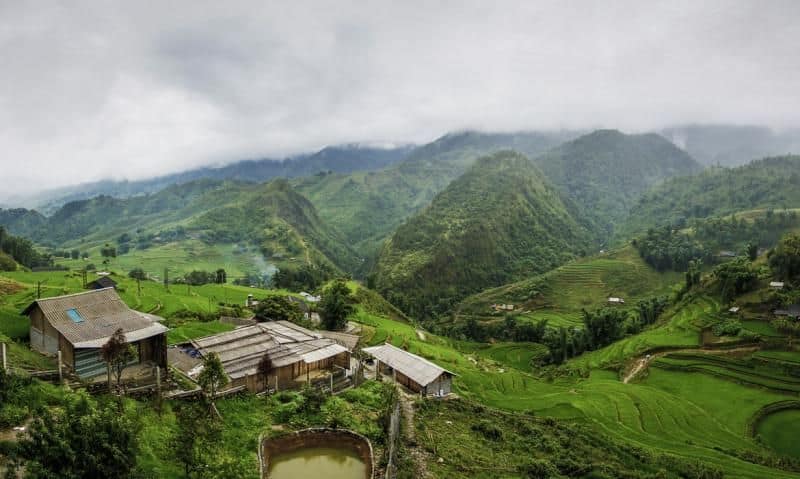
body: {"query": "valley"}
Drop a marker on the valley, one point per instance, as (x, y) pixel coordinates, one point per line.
(587, 327)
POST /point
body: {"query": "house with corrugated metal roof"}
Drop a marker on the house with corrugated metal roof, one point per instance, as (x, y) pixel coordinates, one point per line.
(412, 371)
(79, 325)
(101, 283)
(274, 354)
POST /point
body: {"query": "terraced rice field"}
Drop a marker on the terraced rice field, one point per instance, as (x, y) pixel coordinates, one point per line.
(762, 328)
(780, 431)
(517, 355)
(560, 295)
(744, 372)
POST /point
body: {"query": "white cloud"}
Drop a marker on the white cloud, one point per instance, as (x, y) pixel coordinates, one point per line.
(102, 89)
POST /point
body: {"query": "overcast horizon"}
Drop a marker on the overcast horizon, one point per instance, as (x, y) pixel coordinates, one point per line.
(94, 91)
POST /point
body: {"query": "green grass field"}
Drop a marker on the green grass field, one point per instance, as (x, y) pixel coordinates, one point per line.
(780, 431)
(559, 295)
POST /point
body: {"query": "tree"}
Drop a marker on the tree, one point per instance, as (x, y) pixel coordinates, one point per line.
(82, 439)
(221, 276)
(275, 308)
(336, 306)
(212, 378)
(117, 353)
(108, 251)
(784, 260)
(752, 251)
(139, 275)
(195, 438)
(735, 277)
(74, 254)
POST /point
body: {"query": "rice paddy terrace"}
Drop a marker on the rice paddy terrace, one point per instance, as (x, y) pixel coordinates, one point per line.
(559, 295)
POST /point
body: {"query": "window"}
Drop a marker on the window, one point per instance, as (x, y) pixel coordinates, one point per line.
(75, 316)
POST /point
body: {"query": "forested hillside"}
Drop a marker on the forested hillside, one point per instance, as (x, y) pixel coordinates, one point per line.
(498, 222)
(341, 159)
(273, 217)
(368, 206)
(767, 183)
(606, 171)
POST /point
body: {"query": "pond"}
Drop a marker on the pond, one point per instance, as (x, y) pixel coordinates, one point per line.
(328, 462)
(318, 452)
(780, 431)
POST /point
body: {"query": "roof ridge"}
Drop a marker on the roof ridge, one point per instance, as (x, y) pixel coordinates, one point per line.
(417, 355)
(73, 294)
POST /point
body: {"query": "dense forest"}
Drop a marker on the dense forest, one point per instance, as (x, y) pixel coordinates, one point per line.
(498, 222)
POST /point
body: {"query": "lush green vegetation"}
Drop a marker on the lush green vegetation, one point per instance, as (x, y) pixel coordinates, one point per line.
(560, 295)
(779, 431)
(498, 222)
(606, 171)
(767, 184)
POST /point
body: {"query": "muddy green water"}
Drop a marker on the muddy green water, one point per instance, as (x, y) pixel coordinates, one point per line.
(327, 462)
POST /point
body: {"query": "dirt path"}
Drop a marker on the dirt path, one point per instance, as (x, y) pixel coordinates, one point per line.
(418, 456)
(643, 362)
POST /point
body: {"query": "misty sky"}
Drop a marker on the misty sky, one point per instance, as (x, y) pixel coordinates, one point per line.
(135, 89)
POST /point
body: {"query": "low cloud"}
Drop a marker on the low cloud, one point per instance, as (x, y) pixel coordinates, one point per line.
(135, 89)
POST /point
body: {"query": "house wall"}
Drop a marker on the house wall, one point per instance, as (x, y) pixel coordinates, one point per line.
(44, 337)
(67, 352)
(407, 381)
(442, 384)
(154, 349)
(287, 375)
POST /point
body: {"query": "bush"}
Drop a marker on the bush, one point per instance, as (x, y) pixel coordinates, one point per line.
(488, 430)
(538, 469)
(7, 263)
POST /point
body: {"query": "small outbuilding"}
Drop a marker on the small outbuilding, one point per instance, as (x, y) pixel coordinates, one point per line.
(776, 284)
(412, 371)
(613, 300)
(102, 282)
(79, 325)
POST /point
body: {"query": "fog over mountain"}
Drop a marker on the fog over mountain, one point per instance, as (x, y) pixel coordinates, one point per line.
(92, 90)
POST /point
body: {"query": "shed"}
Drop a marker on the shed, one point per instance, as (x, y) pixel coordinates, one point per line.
(293, 352)
(79, 324)
(734, 309)
(102, 282)
(613, 300)
(776, 284)
(412, 371)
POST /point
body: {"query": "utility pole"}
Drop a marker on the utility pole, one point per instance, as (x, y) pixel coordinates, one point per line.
(39, 289)
(166, 279)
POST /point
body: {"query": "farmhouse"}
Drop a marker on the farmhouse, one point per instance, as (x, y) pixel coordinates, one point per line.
(79, 324)
(102, 283)
(276, 354)
(416, 373)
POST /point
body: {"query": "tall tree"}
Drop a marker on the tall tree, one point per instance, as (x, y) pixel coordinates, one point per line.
(336, 306)
(784, 260)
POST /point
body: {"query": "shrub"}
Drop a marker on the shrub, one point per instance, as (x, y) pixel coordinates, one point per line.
(488, 430)
(538, 469)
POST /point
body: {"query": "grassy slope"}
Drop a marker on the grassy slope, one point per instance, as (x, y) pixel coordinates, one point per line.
(670, 411)
(561, 294)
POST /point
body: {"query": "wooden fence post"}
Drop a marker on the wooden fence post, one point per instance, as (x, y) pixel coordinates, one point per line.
(60, 368)
(5, 359)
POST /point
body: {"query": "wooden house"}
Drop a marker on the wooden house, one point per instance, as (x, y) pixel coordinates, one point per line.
(294, 353)
(79, 324)
(102, 282)
(412, 371)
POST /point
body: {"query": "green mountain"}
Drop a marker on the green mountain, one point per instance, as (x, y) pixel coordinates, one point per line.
(500, 221)
(770, 183)
(606, 171)
(272, 217)
(22, 221)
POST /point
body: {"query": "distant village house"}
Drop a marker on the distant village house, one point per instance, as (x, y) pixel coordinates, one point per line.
(613, 300)
(79, 324)
(776, 284)
(102, 283)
